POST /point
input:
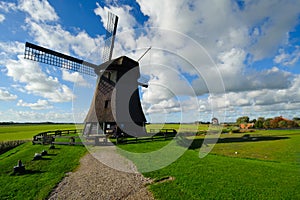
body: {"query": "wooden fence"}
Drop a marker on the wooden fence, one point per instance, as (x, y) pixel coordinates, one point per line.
(69, 137)
(49, 137)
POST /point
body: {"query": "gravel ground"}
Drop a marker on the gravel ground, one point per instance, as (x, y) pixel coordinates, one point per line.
(95, 180)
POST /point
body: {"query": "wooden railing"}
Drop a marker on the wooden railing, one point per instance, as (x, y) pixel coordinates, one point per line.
(48, 137)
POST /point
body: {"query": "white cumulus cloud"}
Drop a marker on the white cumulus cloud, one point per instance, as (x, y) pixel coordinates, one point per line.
(36, 81)
(6, 95)
(41, 104)
(231, 41)
(74, 77)
(40, 11)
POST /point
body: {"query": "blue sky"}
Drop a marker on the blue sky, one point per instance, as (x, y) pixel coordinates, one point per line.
(208, 59)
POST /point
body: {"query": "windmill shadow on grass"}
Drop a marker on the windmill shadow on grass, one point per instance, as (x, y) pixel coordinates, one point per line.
(138, 140)
(198, 142)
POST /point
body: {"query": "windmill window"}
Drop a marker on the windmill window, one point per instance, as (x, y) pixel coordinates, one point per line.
(106, 103)
(107, 75)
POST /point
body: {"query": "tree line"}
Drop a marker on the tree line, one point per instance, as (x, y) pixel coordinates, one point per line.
(276, 122)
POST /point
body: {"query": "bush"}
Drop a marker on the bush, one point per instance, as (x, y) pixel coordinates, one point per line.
(7, 145)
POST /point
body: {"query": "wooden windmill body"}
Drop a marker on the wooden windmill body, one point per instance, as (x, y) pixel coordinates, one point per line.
(112, 99)
(116, 106)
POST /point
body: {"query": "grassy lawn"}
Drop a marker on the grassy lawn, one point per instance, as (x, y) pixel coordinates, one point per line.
(267, 167)
(262, 169)
(26, 132)
(41, 175)
(219, 177)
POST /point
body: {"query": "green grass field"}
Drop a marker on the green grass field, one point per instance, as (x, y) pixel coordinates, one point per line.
(26, 132)
(219, 177)
(261, 169)
(284, 147)
(41, 175)
(267, 167)
(178, 127)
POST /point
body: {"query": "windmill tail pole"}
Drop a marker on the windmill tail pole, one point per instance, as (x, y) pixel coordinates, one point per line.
(144, 53)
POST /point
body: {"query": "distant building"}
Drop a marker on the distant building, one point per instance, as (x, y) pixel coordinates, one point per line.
(215, 121)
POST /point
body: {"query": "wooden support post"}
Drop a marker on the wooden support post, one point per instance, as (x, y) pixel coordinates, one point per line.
(97, 143)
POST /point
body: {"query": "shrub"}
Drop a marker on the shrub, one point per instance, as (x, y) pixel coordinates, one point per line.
(7, 145)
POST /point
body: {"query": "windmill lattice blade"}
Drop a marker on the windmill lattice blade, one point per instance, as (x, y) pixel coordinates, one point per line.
(111, 30)
(50, 57)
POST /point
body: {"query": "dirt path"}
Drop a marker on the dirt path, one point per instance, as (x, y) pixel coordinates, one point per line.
(95, 180)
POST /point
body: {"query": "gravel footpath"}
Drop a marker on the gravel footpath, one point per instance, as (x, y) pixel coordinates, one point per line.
(95, 180)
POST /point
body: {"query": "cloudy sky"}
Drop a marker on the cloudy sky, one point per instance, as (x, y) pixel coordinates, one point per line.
(208, 59)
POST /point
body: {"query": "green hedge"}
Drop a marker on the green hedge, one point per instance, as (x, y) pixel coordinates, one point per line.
(8, 145)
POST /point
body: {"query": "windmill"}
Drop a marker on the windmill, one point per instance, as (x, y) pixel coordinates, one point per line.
(116, 105)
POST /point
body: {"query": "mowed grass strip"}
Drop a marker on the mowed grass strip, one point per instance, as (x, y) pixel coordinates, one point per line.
(41, 175)
(26, 132)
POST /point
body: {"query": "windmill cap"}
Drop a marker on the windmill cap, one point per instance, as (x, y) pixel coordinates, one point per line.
(114, 64)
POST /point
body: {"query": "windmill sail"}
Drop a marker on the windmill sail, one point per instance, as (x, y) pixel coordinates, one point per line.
(50, 57)
(111, 30)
